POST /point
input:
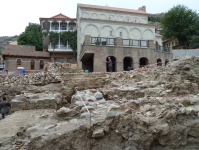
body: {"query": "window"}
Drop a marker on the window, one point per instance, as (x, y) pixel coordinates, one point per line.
(63, 27)
(32, 65)
(18, 62)
(128, 20)
(56, 27)
(120, 34)
(110, 33)
(61, 60)
(71, 27)
(69, 60)
(41, 64)
(109, 18)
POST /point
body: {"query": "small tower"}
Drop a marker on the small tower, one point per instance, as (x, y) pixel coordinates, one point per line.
(143, 8)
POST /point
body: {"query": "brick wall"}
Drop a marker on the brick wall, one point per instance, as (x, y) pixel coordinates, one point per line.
(11, 63)
(65, 56)
(20, 47)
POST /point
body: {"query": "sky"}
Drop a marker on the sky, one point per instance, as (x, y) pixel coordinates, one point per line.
(16, 14)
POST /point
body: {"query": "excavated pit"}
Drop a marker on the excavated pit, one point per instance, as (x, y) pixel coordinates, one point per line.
(150, 108)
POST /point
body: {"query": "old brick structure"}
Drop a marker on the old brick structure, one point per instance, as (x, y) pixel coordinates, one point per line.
(24, 56)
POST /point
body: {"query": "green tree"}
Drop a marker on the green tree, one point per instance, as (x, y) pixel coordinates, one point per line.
(180, 22)
(32, 36)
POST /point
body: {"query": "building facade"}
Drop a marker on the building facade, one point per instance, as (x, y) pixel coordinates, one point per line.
(59, 23)
(24, 56)
(122, 34)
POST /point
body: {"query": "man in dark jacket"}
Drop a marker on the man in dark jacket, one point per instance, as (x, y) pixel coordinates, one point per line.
(4, 107)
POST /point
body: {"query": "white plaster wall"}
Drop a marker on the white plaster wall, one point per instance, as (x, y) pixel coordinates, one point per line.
(159, 40)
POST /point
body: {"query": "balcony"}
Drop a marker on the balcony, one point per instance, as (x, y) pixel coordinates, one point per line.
(163, 48)
(60, 48)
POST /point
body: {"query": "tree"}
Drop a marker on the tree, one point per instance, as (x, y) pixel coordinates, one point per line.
(180, 22)
(32, 36)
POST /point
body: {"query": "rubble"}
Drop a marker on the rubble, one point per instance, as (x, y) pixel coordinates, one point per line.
(151, 108)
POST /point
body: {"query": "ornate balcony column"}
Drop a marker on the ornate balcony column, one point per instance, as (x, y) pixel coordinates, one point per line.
(67, 25)
(50, 25)
(59, 25)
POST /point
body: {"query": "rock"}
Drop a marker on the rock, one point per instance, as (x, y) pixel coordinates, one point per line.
(107, 129)
(85, 115)
(146, 107)
(128, 111)
(166, 105)
(112, 106)
(72, 113)
(49, 127)
(98, 133)
(102, 101)
(98, 95)
(183, 110)
(165, 129)
(89, 108)
(62, 110)
(168, 115)
(80, 103)
(92, 98)
(174, 113)
(190, 110)
(111, 114)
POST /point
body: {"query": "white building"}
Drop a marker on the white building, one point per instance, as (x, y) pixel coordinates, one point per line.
(103, 21)
(59, 23)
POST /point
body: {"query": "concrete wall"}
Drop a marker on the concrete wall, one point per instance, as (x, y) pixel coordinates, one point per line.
(185, 52)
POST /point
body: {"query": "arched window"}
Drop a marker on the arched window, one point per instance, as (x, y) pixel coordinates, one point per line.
(56, 27)
(63, 27)
(71, 27)
(18, 62)
(32, 65)
(41, 64)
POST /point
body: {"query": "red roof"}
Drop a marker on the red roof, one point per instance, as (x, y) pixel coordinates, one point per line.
(56, 17)
(157, 34)
(112, 8)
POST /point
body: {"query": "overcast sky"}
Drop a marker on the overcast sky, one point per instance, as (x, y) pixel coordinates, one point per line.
(15, 14)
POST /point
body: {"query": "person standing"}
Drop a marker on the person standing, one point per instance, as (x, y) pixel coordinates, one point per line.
(109, 64)
(4, 107)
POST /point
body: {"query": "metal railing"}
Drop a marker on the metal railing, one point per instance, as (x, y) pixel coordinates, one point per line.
(162, 48)
(102, 41)
(138, 43)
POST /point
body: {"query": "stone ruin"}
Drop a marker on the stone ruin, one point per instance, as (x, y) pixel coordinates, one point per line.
(151, 108)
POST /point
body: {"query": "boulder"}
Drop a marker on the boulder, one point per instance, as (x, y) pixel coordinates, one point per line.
(111, 114)
(98, 133)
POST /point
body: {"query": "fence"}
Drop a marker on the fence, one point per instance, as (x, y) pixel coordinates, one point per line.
(138, 43)
(162, 48)
(102, 41)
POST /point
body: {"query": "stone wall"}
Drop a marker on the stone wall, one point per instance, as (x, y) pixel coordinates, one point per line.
(101, 52)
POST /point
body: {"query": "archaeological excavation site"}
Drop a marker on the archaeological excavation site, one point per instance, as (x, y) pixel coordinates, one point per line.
(63, 108)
